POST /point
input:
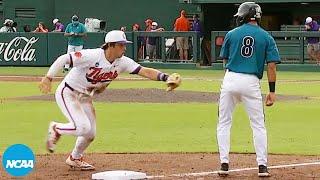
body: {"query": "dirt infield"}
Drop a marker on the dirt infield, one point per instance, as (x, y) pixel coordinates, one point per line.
(156, 96)
(52, 166)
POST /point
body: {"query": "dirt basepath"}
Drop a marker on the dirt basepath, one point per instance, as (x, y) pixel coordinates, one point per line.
(156, 96)
(52, 166)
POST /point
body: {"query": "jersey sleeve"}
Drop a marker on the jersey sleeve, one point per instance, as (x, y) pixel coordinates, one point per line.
(272, 51)
(81, 58)
(67, 29)
(84, 29)
(129, 65)
(224, 52)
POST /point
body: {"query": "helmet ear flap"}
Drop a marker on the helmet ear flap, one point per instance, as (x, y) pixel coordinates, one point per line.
(239, 20)
(252, 13)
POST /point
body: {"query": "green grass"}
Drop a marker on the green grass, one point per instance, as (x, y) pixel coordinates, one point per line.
(211, 74)
(133, 127)
(14, 89)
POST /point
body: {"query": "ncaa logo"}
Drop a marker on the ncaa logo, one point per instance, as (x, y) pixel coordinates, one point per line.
(18, 160)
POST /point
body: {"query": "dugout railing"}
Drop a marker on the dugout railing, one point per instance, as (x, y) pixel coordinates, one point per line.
(292, 46)
(166, 46)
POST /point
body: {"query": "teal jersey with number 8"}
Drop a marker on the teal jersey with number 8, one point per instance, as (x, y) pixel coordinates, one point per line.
(247, 48)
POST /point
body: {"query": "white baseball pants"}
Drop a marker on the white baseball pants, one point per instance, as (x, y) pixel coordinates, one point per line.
(80, 113)
(238, 87)
(72, 48)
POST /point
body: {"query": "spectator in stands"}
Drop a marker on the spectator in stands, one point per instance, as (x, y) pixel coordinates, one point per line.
(136, 27)
(123, 28)
(8, 26)
(182, 24)
(26, 28)
(148, 23)
(196, 25)
(58, 26)
(41, 28)
(75, 31)
(313, 48)
(152, 41)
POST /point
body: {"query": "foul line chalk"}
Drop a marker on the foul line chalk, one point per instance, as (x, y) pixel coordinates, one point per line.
(234, 170)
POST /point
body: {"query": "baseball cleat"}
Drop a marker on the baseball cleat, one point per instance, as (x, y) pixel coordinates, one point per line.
(224, 170)
(53, 137)
(79, 164)
(263, 171)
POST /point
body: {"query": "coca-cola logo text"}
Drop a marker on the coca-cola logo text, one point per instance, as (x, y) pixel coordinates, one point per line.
(12, 51)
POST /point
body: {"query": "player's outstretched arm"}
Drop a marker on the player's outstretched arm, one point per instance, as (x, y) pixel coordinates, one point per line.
(272, 77)
(173, 81)
(45, 84)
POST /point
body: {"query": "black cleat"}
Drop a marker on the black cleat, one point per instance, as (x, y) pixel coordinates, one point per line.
(263, 171)
(224, 170)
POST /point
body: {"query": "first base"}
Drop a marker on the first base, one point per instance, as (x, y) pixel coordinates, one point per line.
(119, 175)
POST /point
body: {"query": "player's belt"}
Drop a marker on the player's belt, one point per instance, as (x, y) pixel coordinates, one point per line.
(68, 86)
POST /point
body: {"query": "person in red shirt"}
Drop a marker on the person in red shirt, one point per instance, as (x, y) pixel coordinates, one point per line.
(182, 24)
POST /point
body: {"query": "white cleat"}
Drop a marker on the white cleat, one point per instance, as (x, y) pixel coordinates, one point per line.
(53, 137)
(79, 164)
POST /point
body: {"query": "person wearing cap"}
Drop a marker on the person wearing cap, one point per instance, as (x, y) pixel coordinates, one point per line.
(152, 41)
(58, 26)
(8, 26)
(148, 23)
(313, 48)
(75, 31)
(93, 70)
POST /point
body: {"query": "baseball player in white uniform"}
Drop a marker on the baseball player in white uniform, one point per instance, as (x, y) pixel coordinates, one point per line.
(246, 49)
(93, 70)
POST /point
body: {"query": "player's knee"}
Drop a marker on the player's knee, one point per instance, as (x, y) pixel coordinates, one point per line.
(83, 129)
(91, 136)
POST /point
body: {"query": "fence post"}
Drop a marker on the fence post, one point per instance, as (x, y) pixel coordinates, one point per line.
(195, 47)
(135, 46)
(301, 41)
(163, 49)
(213, 45)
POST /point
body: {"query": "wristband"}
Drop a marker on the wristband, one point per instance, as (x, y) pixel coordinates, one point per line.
(162, 77)
(272, 86)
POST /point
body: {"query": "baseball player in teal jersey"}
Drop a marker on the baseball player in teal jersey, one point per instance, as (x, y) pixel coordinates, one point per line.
(245, 51)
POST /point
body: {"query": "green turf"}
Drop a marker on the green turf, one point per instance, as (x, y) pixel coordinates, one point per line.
(14, 89)
(132, 127)
(211, 74)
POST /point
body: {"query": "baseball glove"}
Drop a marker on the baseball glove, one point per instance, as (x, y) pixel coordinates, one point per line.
(45, 85)
(173, 81)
